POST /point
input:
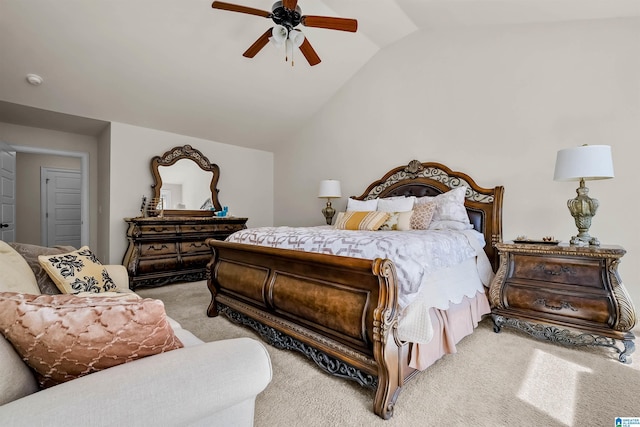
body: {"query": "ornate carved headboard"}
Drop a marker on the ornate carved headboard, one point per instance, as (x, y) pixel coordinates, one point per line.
(484, 205)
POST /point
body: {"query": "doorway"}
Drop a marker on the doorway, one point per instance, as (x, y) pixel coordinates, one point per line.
(7, 193)
(84, 184)
(60, 191)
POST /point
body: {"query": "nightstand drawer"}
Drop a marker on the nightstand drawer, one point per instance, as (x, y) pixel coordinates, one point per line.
(567, 271)
(588, 307)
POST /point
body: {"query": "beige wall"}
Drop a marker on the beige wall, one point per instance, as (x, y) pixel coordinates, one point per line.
(246, 177)
(497, 103)
(64, 141)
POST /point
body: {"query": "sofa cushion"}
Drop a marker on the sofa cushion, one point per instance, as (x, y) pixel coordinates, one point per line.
(62, 337)
(16, 274)
(16, 379)
(78, 271)
(30, 253)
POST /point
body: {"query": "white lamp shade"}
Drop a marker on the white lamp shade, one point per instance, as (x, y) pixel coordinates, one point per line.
(330, 188)
(587, 162)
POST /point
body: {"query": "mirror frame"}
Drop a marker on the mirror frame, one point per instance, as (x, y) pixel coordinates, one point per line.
(171, 157)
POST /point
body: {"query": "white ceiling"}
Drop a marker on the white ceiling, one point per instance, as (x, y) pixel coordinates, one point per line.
(177, 65)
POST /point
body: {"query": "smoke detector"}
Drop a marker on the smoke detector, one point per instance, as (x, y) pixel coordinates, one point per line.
(34, 79)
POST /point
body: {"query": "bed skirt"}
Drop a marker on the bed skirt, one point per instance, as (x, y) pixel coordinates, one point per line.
(449, 327)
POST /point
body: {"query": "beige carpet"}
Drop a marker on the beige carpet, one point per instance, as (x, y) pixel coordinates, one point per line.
(505, 379)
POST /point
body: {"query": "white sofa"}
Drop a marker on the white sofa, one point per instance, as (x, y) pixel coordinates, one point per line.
(208, 384)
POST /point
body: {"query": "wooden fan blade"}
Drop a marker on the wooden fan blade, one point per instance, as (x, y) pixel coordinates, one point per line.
(309, 53)
(258, 44)
(342, 24)
(290, 4)
(242, 9)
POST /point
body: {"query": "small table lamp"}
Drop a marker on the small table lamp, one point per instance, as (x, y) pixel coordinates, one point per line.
(329, 189)
(583, 163)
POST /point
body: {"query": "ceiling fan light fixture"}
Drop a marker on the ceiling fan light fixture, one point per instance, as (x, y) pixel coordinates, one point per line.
(296, 37)
(279, 34)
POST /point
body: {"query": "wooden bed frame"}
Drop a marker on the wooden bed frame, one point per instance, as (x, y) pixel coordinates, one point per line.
(341, 312)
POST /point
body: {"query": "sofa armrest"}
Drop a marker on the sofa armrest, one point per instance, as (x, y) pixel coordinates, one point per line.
(119, 275)
(216, 381)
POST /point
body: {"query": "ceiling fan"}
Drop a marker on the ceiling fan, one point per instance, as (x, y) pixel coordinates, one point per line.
(287, 15)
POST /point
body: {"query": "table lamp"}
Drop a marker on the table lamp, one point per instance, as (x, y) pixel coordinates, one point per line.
(587, 162)
(329, 189)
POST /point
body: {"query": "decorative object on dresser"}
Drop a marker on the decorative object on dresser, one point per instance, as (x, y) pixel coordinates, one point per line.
(587, 162)
(168, 245)
(567, 294)
(329, 189)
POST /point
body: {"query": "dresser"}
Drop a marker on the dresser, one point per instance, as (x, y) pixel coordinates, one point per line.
(163, 250)
(566, 294)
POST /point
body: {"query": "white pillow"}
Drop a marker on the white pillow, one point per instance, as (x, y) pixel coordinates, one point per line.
(449, 206)
(404, 204)
(15, 273)
(449, 225)
(361, 205)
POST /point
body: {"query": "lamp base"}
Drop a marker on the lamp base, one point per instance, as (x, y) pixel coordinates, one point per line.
(582, 209)
(584, 241)
(328, 212)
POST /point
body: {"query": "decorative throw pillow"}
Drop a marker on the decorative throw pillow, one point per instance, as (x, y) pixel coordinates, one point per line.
(362, 205)
(402, 204)
(62, 337)
(422, 215)
(450, 205)
(77, 271)
(361, 220)
(15, 273)
(30, 253)
(400, 221)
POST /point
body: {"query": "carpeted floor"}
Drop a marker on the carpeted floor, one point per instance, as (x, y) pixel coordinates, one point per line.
(505, 379)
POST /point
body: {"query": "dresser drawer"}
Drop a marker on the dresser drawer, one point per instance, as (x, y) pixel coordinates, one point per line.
(194, 247)
(156, 229)
(157, 265)
(589, 307)
(157, 249)
(568, 271)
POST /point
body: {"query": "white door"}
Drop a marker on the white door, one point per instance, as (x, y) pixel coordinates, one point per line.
(62, 222)
(7, 193)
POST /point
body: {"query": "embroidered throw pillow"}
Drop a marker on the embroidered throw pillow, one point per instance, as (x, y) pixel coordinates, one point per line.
(357, 220)
(77, 271)
(361, 205)
(400, 221)
(62, 337)
(422, 215)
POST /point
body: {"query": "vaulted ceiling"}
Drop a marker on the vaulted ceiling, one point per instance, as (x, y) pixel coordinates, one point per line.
(177, 65)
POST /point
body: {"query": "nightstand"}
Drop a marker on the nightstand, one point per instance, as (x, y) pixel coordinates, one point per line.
(571, 295)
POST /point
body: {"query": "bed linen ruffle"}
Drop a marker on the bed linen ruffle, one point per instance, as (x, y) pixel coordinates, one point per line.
(449, 328)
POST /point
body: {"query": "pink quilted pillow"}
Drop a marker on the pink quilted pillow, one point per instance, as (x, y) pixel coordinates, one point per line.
(62, 337)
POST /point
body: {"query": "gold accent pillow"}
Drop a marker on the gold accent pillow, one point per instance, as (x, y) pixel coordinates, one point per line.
(361, 220)
(62, 337)
(77, 271)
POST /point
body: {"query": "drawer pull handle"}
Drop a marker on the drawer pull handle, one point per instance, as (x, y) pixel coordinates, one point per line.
(562, 305)
(158, 229)
(154, 248)
(563, 270)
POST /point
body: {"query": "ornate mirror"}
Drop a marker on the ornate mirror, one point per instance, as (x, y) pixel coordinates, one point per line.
(184, 183)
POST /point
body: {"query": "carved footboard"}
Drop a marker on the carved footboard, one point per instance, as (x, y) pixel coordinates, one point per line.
(340, 312)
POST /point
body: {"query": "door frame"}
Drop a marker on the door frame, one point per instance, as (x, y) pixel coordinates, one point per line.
(84, 185)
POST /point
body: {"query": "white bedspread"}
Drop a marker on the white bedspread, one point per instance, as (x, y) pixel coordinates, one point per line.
(417, 254)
